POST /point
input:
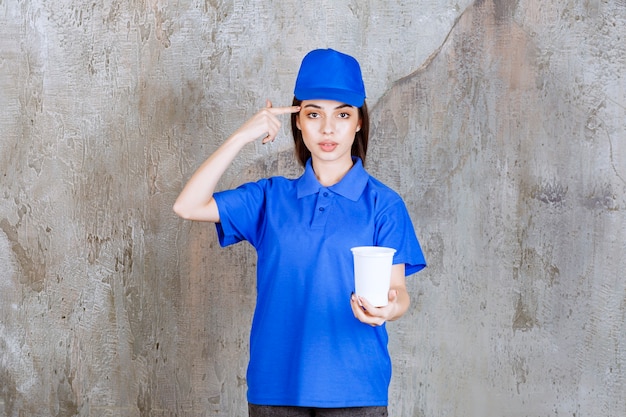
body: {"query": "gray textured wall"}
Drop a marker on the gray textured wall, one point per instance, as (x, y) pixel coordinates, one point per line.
(502, 123)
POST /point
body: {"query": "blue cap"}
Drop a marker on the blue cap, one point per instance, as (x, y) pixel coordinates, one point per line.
(326, 74)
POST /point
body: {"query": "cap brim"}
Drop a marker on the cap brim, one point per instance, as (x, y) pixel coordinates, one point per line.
(343, 96)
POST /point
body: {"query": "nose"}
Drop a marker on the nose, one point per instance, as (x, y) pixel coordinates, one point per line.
(328, 126)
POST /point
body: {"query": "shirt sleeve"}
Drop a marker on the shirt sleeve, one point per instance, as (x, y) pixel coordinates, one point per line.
(241, 212)
(395, 230)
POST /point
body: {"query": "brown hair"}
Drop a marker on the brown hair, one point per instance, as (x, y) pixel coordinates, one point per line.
(361, 138)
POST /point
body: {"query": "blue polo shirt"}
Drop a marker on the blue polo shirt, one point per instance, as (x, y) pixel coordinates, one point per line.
(306, 346)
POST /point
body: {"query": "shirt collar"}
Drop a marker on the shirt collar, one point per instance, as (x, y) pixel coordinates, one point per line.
(351, 185)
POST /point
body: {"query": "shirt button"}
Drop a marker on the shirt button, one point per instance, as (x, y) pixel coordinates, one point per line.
(325, 194)
(322, 209)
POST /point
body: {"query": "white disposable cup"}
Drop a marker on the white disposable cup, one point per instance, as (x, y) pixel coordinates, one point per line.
(372, 273)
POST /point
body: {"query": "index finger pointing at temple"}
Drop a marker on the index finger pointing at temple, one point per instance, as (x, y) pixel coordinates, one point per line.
(284, 110)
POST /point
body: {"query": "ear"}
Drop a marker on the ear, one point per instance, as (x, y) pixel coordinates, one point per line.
(358, 127)
(298, 121)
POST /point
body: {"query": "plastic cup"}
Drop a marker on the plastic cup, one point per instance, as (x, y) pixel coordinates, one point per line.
(372, 273)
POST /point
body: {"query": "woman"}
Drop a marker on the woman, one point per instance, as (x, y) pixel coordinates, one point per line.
(316, 349)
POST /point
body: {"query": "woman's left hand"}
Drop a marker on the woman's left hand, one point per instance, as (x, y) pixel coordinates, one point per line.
(374, 316)
(398, 304)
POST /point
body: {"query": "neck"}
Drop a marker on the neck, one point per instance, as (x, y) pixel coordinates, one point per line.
(330, 173)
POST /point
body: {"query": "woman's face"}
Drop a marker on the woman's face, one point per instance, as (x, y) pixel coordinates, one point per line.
(328, 128)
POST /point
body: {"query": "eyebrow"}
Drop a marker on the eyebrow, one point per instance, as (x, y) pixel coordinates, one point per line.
(336, 108)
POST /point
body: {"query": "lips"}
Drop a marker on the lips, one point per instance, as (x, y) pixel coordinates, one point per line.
(328, 146)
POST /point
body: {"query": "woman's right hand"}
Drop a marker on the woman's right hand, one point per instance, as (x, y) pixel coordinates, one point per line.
(265, 124)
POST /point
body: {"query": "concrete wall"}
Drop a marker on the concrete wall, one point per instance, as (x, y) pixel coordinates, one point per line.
(500, 122)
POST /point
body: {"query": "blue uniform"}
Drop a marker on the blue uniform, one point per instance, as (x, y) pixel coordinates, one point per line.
(306, 346)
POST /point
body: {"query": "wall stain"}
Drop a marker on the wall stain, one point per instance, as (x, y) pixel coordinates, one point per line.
(552, 193)
(95, 243)
(523, 318)
(601, 197)
(124, 261)
(534, 266)
(520, 371)
(33, 268)
(504, 10)
(8, 387)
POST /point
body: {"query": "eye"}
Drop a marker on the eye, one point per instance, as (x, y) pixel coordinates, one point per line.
(312, 115)
(344, 115)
